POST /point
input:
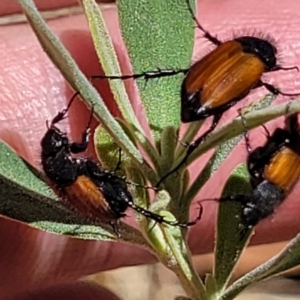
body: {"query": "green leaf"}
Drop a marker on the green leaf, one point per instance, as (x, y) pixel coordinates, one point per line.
(167, 148)
(158, 34)
(65, 63)
(192, 130)
(153, 155)
(229, 243)
(141, 195)
(108, 59)
(287, 259)
(106, 148)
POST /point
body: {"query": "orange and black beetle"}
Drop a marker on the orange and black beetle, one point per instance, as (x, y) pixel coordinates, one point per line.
(274, 170)
(83, 183)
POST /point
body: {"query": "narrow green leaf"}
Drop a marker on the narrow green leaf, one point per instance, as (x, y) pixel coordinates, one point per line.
(150, 151)
(141, 195)
(167, 148)
(65, 63)
(287, 259)
(153, 231)
(88, 230)
(106, 148)
(15, 170)
(188, 137)
(229, 243)
(158, 34)
(108, 59)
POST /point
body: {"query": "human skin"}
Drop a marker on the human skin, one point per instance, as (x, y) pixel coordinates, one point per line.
(32, 91)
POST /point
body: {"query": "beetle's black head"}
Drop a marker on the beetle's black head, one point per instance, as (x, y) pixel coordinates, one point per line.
(266, 197)
(53, 141)
(261, 48)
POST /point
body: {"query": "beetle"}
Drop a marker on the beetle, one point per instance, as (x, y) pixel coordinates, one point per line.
(219, 80)
(82, 183)
(274, 170)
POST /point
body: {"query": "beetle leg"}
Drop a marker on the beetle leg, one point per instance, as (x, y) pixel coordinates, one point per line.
(76, 147)
(146, 75)
(207, 35)
(268, 134)
(274, 90)
(160, 219)
(279, 68)
(246, 132)
(62, 114)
